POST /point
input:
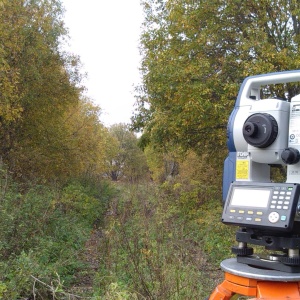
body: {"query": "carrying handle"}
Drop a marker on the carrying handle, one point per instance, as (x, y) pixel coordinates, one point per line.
(250, 89)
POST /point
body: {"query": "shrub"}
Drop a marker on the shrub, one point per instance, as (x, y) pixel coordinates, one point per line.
(153, 249)
(43, 233)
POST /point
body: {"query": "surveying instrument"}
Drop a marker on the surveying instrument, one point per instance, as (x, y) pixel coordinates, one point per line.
(263, 132)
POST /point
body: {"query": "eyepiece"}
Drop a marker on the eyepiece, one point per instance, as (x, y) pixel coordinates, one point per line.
(260, 130)
(250, 129)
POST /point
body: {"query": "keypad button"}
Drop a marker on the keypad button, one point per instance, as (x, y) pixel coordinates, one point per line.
(273, 217)
(283, 218)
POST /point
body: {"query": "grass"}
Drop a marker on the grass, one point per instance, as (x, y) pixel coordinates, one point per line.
(43, 234)
(153, 249)
(148, 242)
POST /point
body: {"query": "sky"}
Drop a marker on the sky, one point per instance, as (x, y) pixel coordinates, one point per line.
(105, 34)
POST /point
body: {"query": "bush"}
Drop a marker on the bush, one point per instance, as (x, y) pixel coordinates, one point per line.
(43, 233)
(154, 249)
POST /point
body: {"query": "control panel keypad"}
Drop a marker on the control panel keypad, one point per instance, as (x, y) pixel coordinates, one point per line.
(280, 199)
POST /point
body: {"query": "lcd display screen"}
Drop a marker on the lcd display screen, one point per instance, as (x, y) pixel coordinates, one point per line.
(250, 197)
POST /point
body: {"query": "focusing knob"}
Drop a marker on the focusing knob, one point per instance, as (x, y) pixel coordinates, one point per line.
(290, 156)
(260, 130)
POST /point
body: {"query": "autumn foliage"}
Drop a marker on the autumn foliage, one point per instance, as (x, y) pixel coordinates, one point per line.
(195, 56)
(48, 130)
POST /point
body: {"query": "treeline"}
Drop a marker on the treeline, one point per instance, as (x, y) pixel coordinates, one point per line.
(49, 131)
(195, 57)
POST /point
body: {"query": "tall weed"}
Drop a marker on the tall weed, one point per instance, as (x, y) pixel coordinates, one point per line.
(42, 237)
(154, 249)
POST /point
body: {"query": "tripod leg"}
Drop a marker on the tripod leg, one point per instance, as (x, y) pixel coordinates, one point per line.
(221, 292)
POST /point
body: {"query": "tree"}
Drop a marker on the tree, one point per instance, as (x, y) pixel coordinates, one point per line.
(195, 56)
(86, 139)
(162, 166)
(127, 161)
(48, 129)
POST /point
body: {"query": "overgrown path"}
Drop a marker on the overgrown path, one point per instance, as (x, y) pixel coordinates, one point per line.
(148, 248)
(91, 258)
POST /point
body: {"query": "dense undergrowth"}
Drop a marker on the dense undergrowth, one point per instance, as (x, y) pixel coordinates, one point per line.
(43, 232)
(163, 243)
(156, 242)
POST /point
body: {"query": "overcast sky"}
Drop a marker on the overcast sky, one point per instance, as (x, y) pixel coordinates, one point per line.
(105, 34)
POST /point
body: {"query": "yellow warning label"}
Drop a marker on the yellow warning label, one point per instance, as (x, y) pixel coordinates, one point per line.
(242, 169)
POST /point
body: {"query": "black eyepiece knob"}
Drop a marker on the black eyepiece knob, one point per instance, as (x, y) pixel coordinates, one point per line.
(250, 129)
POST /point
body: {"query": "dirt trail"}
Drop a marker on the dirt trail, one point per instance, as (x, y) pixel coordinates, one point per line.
(91, 259)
